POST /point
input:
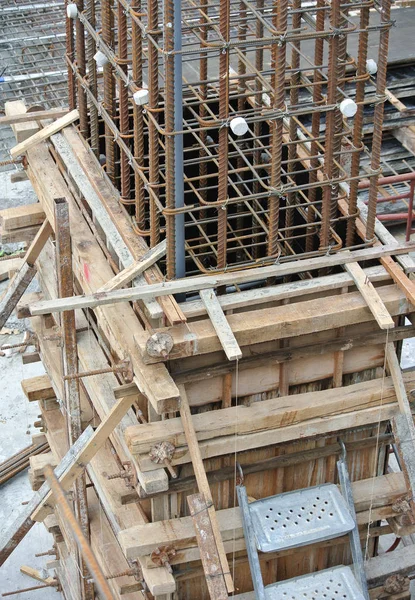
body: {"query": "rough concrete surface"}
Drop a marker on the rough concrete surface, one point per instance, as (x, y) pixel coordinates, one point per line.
(17, 416)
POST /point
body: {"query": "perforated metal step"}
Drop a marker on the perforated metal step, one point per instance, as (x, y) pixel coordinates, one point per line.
(331, 584)
(300, 518)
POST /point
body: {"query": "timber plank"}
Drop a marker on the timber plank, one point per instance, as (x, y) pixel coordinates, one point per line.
(212, 281)
(141, 540)
(38, 388)
(22, 131)
(281, 322)
(44, 133)
(22, 216)
(275, 413)
(371, 296)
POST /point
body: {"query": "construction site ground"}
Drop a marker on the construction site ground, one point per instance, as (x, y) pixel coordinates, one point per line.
(17, 416)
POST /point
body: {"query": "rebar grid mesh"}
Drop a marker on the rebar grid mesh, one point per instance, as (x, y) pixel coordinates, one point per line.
(32, 57)
(284, 67)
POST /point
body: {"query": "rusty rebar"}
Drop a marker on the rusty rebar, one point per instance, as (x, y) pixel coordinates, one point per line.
(278, 58)
(70, 54)
(224, 25)
(153, 136)
(124, 121)
(358, 125)
(169, 140)
(81, 63)
(277, 189)
(92, 78)
(315, 122)
(138, 118)
(378, 117)
(107, 19)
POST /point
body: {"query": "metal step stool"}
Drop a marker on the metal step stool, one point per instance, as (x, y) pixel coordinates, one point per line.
(297, 519)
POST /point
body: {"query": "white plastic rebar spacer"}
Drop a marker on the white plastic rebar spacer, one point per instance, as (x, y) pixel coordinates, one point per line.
(239, 126)
(72, 11)
(371, 66)
(101, 59)
(141, 97)
(348, 107)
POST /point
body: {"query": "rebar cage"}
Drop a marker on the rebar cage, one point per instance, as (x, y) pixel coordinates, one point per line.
(223, 123)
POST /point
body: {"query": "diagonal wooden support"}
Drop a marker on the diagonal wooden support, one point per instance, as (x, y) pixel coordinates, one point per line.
(24, 276)
(44, 133)
(16, 531)
(369, 293)
(88, 451)
(136, 268)
(192, 284)
(221, 325)
(207, 546)
(403, 423)
(203, 485)
(72, 464)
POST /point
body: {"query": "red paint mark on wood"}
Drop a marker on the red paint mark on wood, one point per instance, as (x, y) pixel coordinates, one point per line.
(87, 273)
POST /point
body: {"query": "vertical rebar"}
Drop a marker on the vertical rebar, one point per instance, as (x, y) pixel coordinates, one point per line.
(315, 121)
(294, 93)
(203, 75)
(259, 65)
(70, 53)
(81, 64)
(224, 25)
(153, 136)
(358, 124)
(123, 101)
(107, 19)
(278, 65)
(378, 117)
(92, 78)
(170, 171)
(178, 142)
(331, 117)
(138, 118)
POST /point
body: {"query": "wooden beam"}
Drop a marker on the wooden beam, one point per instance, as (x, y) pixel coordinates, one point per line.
(220, 324)
(403, 424)
(136, 268)
(22, 131)
(22, 216)
(16, 531)
(207, 546)
(44, 133)
(15, 291)
(141, 540)
(281, 322)
(282, 291)
(38, 115)
(38, 243)
(193, 284)
(274, 414)
(369, 293)
(38, 388)
(203, 485)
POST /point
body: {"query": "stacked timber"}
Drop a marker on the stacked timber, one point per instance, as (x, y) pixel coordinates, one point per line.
(165, 414)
